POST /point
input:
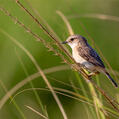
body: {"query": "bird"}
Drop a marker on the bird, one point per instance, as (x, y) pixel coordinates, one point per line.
(86, 56)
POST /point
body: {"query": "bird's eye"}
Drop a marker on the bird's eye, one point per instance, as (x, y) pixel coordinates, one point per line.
(72, 39)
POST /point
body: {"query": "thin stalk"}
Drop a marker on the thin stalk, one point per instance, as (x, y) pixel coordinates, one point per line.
(31, 84)
(14, 102)
(71, 95)
(97, 102)
(27, 80)
(32, 109)
(42, 74)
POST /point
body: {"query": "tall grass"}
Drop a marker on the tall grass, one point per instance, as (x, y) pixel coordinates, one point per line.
(42, 74)
(97, 93)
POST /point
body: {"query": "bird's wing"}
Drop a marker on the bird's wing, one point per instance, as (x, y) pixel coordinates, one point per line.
(89, 54)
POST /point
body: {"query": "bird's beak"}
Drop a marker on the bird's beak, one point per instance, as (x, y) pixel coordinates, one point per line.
(64, 42)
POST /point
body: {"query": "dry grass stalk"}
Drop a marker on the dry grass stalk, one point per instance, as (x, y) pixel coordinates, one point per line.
(32, 109)
(69, 94)
(41, 72)
(97, 16)
(26, 80)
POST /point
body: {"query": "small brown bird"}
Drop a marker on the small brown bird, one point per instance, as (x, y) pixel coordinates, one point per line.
(86, 56)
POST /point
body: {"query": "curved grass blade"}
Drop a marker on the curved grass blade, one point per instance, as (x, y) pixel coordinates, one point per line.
(41, 72)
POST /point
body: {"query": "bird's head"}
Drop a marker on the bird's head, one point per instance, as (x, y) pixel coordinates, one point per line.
(75, 40)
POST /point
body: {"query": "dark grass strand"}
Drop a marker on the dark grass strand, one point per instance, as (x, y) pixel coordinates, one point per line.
(52, 37)
(34, 35)
(44, 29)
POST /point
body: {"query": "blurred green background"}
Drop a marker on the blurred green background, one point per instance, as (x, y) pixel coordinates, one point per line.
(104, 32)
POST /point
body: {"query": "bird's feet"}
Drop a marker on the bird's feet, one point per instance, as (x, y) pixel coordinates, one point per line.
(77, 67)
(93, 74)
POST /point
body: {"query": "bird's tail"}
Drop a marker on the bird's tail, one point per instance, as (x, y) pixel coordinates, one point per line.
(109, 77)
